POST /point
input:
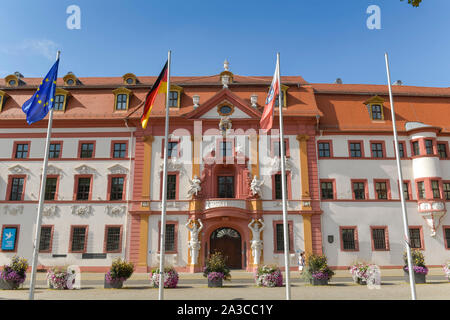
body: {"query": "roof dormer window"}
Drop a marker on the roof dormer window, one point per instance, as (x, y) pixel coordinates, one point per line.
(2, 99)
(375, 108)
(175, 96)
(60, 99)
(12, 80)
(129, 79)
(70, 79)
(121, 99)
(284, 90)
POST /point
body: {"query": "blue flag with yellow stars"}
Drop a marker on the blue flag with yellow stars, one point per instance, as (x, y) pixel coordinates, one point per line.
(37, 107)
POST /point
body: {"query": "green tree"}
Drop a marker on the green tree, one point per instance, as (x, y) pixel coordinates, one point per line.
(414, 3)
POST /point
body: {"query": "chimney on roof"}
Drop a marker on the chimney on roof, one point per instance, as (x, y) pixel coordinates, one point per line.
(18, 74)
(338, 81)
(398, 83)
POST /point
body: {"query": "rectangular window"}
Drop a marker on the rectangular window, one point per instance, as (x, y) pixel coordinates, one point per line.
(121, 103)
(446, 186)
(381, 190)
(429, 146)
(359, 190)
(406, 190)
(280, 238)
(78, 241)
(401, 150)
(50, 188)
(442, 150)
(173, 99)
(277, 149)
(436, 190)
(324, 150)
(171, 186)
(21, 151)
(116, 192)
(16, 189)
(113, 239)
(416, 150)
(120, 150)
(355, 150)
(225, 187)
(170, 237)
(226, 148)
(327, 190)
(84, 186)
(278, 189)
(414, 238)
(447, 236)
(282, 99)
(379, 239)
(376, 112)
(87, 150)
(45, 244)
(54, 151)
(421, 189)
(59, 103)
(377, 150)
(172, 146)
(348, 239)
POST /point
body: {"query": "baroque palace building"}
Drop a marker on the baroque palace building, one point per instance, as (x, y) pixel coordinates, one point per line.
(103, 190)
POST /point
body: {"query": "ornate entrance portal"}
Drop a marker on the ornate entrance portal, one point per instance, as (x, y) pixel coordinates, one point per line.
(227, 241)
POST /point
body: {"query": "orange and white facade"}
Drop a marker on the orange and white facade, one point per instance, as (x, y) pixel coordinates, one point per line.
(342, 190)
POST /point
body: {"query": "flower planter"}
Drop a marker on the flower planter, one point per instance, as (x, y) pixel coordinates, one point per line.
(113, 284)
(361, 281)
(418, 277)
(318, 282)
(216, 283)
(8, 284)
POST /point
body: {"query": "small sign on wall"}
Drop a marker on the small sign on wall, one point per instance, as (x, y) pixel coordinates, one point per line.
(9, 239)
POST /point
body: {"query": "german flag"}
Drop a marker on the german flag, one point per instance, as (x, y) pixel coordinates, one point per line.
(160, 86)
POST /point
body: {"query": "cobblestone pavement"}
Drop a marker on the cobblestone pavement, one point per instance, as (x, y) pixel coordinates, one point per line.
(242, 287)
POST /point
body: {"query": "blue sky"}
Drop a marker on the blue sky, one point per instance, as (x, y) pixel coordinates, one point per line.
(319, 40)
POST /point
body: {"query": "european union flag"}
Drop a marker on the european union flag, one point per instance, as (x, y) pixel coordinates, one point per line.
(37, 107)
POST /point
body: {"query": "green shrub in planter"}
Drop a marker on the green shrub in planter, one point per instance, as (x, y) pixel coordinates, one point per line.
(317, 271)
(216, 270)
(120, 271)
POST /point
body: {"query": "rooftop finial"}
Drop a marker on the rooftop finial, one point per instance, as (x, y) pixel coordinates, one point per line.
(226, 65)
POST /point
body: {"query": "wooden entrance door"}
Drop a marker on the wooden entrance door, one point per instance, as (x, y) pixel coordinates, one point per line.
(227, 241)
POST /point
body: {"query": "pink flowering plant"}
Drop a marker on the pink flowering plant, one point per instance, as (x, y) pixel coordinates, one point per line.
(120, 271)
(16, 271)
(360, 271)
(418, 262)
(170, 277)
(317, 268)
(269, 276)
(59, 278)
(215, 276)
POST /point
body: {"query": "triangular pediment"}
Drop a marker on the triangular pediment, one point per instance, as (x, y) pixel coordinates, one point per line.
(210, 109)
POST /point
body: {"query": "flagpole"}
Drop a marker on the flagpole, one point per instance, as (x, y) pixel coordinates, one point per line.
(164, 190)
(400, 178)
(41, 202)
(283, 187)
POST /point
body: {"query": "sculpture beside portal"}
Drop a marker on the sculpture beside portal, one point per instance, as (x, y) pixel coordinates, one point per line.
(256, 226)
(195, 187)
(194, 244)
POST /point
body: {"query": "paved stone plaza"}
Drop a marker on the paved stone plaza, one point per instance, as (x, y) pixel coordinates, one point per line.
(242, 287)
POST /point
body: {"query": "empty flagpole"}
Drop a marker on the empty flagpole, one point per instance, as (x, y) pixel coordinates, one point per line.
(283, 187)
(400, 178)
(162, 248)
(37, 232)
